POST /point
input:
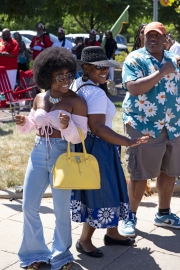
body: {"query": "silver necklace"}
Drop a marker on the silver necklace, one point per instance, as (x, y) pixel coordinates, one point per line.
(54, 100)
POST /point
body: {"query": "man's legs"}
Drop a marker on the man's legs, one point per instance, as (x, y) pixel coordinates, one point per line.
(136, 190)
(165, 187)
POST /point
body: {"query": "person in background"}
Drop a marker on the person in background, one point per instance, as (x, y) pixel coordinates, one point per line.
(77, 49)
(150, 76)
(41, 41)
(100, 37)
(139, 38)
(62, 40)
(101, 208)
(55, 115)
(110, 49)
(86, 41)
(23, 55)
(9, 49)
(172, 45)
(92, 39)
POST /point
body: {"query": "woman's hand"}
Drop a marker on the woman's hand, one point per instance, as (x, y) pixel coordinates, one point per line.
(64, 120)
(20, 120)
(135, 142)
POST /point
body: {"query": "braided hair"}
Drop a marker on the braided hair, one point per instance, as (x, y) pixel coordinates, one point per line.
(137, 42)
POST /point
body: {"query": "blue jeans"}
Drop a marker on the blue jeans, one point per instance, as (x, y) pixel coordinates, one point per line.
(38, 176)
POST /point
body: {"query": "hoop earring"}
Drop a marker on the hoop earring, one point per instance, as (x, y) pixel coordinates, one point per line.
(85, 77)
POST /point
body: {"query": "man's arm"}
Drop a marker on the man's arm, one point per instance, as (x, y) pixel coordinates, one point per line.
(143, 85)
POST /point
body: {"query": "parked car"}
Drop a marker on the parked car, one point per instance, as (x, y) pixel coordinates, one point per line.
(72, 37)
(121, 48)
(30, 34)
(25, 39)
(120, 39)
(121, 44)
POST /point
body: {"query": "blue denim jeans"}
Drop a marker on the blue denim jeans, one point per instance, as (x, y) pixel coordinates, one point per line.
(38, 176)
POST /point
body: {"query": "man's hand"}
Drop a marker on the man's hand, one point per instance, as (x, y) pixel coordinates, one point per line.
(64, 120)
(167, 68)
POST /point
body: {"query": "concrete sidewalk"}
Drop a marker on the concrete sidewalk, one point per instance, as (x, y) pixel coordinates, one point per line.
(155, 248)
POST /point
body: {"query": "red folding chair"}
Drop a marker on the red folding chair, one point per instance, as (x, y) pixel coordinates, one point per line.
(16, 98)
(27, 81)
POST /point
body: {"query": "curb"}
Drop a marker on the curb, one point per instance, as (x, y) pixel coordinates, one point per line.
(12, 194)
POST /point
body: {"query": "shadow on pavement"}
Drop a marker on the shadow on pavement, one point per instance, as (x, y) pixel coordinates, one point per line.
(148, 204)
(43, 209)
(134, 259)
(162, 241)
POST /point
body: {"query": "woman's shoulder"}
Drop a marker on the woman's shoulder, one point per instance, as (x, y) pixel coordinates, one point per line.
(79, 104)
(75, 97)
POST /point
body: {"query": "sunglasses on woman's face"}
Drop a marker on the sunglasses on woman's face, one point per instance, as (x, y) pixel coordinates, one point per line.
(61, 78)
(100, 67)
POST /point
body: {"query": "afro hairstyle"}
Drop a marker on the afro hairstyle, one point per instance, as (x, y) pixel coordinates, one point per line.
(51, 60)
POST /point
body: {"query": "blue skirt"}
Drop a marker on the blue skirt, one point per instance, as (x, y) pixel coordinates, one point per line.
(102, 208)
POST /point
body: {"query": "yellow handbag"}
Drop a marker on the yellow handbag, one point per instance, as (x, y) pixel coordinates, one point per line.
(74, 170)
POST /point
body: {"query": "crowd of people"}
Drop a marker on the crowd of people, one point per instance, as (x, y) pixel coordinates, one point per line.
(15, 56)
(151, 113)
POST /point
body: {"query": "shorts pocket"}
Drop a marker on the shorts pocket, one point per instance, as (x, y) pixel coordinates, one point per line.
(131, 160)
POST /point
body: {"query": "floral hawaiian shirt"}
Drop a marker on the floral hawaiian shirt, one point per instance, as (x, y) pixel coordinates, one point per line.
(159, 107)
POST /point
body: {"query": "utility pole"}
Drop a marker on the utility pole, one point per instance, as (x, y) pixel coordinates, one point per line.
(155, 10)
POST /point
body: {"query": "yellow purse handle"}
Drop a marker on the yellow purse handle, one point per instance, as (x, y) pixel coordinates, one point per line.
(82, 140)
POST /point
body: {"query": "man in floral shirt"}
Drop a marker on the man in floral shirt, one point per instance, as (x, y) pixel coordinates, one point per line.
(152, 107)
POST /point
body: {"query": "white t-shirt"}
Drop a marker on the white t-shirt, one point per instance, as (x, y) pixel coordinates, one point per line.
(67, 45)
(175, 48)
(96, 99)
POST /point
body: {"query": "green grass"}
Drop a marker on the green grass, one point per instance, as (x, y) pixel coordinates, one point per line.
(118, 105)
(15, 149)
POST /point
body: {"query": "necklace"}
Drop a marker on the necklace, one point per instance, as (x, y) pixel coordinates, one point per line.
(54, 100)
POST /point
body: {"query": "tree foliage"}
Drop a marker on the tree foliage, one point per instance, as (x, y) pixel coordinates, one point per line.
(83, 15)
(86, 14)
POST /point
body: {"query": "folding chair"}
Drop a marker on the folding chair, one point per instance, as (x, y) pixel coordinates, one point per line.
(27, 81)
(13, 98)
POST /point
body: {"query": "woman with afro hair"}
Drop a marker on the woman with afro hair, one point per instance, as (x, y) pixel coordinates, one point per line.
(55, 115)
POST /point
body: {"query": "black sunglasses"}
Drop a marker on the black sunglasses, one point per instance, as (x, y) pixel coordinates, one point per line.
(98, 67)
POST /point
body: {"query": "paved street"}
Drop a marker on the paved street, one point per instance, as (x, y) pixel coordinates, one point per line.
(156, 248)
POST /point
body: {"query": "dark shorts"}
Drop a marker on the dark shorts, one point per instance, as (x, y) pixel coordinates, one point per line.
(147, 161)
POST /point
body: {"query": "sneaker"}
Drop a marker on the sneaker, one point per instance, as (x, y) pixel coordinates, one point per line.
(128, 227)
(170, 220)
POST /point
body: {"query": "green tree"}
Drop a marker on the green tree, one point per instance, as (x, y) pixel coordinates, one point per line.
(81, 14)
(170, 15)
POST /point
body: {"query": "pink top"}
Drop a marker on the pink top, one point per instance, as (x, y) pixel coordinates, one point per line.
(49, 120)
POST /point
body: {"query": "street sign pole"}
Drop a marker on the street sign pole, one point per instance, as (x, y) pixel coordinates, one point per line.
(155, 10)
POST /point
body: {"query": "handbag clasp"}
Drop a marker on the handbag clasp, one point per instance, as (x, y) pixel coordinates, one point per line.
(78, 159)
